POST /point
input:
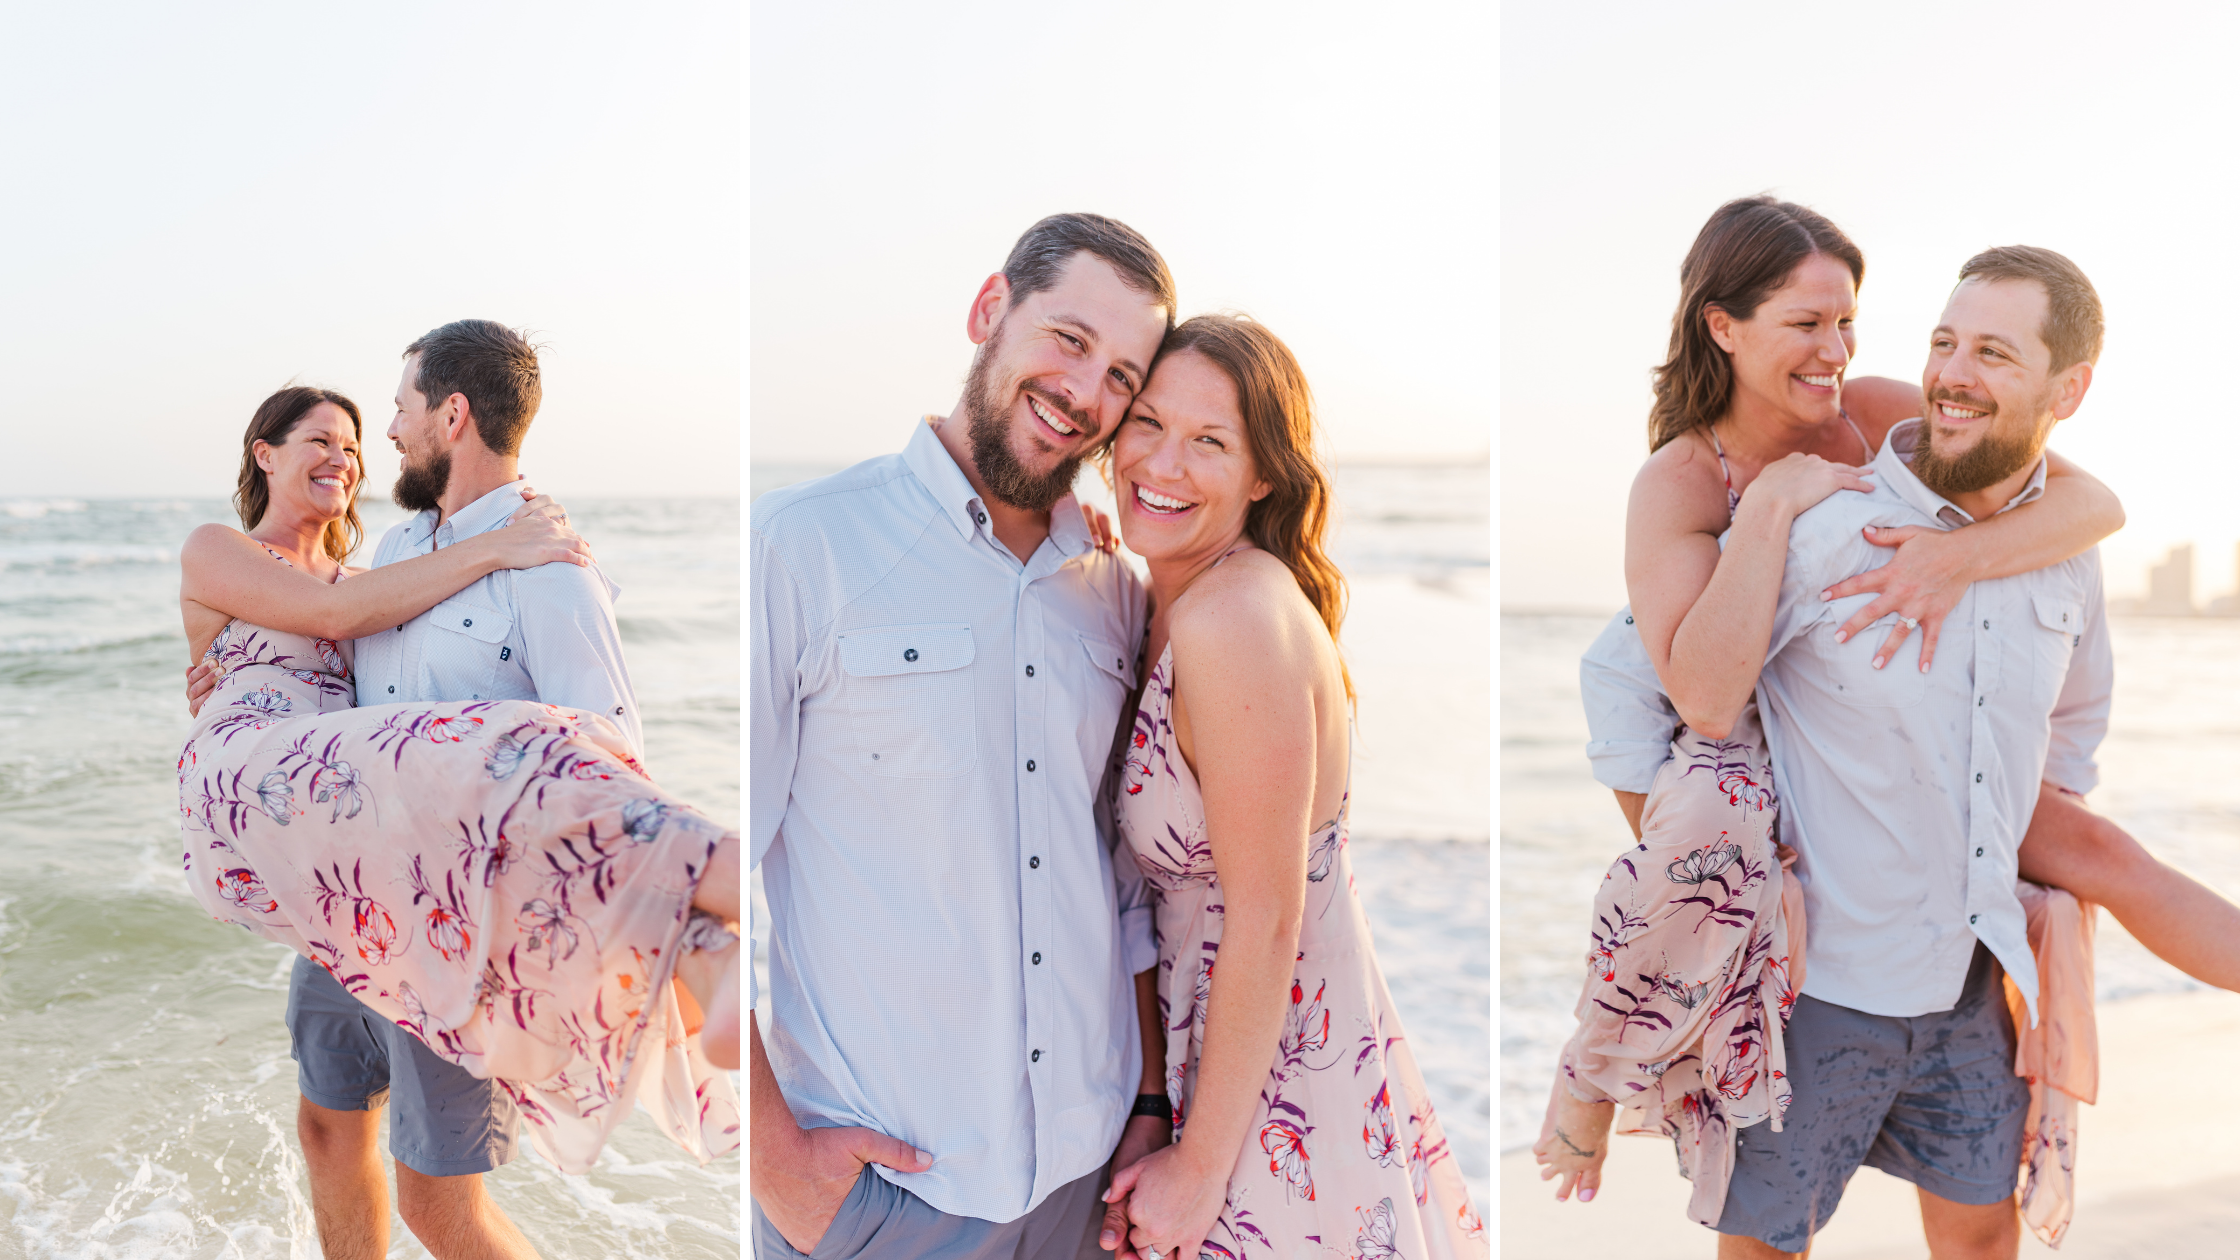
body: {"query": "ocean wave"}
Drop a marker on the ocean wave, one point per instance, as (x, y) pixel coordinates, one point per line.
(72, 644)
(33, 509)
(82, 555)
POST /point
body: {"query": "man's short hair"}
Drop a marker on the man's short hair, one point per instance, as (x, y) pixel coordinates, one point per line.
(2073, 327)
(494, 366)
(1048, 246)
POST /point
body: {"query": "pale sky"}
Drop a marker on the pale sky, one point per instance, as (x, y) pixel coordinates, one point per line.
(1327, 168)
(1928, 132)
(205, 202)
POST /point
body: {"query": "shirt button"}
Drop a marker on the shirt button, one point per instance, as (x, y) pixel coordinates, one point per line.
(1979, 850)
(1979, 776)
(1030, 671)
(1030, 767)
(909, 654)
(981, 517)
(1629, 621)
(1033, 862)
(1979, 702)
(1971, 919)
(1987, 625)
(618, 710)
(392, 689)
(1038, 958)
(467, 621)
(1036, 1057)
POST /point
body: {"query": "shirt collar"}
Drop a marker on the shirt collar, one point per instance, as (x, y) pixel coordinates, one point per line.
(937, 471)
(478, 517)
(1894, 467)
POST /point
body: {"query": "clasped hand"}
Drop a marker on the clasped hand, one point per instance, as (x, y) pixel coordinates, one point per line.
(1166, 1203)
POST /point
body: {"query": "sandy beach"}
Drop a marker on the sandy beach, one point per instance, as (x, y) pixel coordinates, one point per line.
(2152, 1181)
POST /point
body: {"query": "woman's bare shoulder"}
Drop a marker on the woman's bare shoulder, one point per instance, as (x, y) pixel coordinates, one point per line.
(1878, 404)
(1248, 599)
(1680, 487)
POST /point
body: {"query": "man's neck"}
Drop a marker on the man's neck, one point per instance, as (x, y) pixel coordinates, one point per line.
(1019, 530)
(474, 475)
(1982, 505)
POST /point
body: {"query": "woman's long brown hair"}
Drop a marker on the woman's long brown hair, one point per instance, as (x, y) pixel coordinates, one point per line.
(276, 418)
(1292, 521)
(1747, 249)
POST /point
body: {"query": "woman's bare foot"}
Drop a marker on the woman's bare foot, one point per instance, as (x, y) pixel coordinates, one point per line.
(1577, 1141)
(712, 980)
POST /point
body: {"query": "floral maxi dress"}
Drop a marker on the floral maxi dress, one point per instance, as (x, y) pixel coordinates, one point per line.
(1346, 1158)
(499, 877)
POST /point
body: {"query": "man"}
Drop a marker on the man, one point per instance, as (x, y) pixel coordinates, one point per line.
(939, 660)
(468, 393)
(1907, 793)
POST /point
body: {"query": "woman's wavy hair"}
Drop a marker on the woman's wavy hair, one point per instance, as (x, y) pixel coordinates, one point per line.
(1748, 248)
(275, 419)
(1292, 521)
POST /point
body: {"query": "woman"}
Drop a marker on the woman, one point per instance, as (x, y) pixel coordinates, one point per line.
(1300, 1111)
(498, 877)
(1750, 428)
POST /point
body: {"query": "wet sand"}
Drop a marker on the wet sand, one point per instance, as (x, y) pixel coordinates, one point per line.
(2154, 1182)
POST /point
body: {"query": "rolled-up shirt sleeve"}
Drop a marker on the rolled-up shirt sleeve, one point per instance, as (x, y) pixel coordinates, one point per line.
(1629, 720)
(2080, 713)
(572, 648)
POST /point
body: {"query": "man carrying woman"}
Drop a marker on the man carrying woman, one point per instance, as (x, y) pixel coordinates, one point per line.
(488, 898)
(1905, 789)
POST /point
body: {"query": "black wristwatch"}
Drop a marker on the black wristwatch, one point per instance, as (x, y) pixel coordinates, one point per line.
(1153, 1105)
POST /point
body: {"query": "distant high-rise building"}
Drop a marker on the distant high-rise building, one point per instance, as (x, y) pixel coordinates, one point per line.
(2170, 585)
(2228, 605)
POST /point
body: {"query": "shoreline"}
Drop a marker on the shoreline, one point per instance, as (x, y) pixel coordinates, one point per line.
(2134, 1197)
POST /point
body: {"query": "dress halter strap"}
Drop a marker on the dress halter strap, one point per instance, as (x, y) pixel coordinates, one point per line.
(1734, 499)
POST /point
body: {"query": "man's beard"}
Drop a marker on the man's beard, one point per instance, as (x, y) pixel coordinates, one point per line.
(1994, 458)
(421, 483)
(989, 429)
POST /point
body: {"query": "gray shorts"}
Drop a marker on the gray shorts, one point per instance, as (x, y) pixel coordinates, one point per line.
(880, 1220)
(445, 1122)
(1930, 1099)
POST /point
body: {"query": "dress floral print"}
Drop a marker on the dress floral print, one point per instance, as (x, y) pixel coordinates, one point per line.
(1347, 1158)
(1696, 957)
(1694, 962)
(499, 877)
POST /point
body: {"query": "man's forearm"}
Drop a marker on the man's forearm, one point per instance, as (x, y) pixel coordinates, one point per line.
(1152, 1029)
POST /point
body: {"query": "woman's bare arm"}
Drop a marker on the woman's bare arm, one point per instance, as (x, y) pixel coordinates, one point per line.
(1254, 728)
(1933, 567)
(1706, 616)
(225, 570)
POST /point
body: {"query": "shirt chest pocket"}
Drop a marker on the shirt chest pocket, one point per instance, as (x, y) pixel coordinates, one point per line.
(910, 701)
(2059, 628)
(1849, 666)
(1108, 681)
(466, 648)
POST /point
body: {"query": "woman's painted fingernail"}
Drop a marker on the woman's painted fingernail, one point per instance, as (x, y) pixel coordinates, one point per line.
(1825, 596)
(1924, 667)
(1841, 635)
(1879, 660)
(1586, 1196)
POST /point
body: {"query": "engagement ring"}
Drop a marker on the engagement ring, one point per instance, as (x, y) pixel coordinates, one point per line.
(1909, 623)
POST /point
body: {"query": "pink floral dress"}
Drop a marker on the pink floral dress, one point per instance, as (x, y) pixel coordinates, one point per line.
(1346, 1157)
(499, 877)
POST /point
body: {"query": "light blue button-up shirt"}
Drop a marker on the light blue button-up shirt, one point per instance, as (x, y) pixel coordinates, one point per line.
(1905, 794)
(952, 946)
(545, 634)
